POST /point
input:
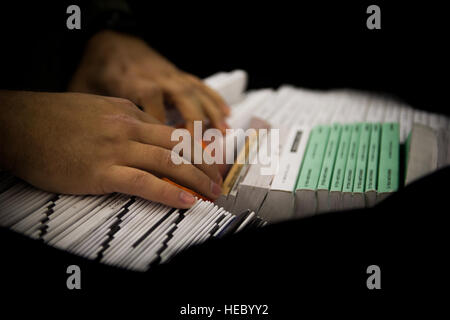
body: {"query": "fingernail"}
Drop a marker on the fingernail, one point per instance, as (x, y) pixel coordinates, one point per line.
(186, 197)
(215, 189)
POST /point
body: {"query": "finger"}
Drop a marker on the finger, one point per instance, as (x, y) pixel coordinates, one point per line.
(195, 194)
(212, 94)
(166, 163)
(148, 95)
(147, 118)
(160, 135)
(145, 185)
(179, 94)
(214, 114)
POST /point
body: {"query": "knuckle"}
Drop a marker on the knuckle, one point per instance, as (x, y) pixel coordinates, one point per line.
(113, 136)
(166, 159)
(120, 126)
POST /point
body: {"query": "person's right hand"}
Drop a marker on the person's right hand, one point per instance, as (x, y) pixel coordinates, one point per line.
(86, 144)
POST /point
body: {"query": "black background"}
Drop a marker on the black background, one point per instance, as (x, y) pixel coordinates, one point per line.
(318, 44)
(316, 265)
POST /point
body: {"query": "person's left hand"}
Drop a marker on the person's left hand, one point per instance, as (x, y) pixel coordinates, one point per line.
(121, 65)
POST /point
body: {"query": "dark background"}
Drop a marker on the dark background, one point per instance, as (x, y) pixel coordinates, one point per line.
(308, 266)
(319, 44)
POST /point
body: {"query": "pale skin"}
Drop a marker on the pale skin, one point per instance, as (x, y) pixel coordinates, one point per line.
(78, 143)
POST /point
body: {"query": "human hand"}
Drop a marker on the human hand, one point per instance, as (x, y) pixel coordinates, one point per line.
(121, 65)
(86, 144)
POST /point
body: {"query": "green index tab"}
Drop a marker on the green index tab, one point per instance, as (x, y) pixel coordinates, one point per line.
(330, 157)
(361, 162)
(312, 162)
(389, 158)
(372, 161)
(341, 158)
(351, 159)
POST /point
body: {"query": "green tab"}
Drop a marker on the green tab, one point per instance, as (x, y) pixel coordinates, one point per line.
(341, 158)
(389, 158)
(361, 162)
(330, 157)
(372, 161)
(312, 162)
(350, 166)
